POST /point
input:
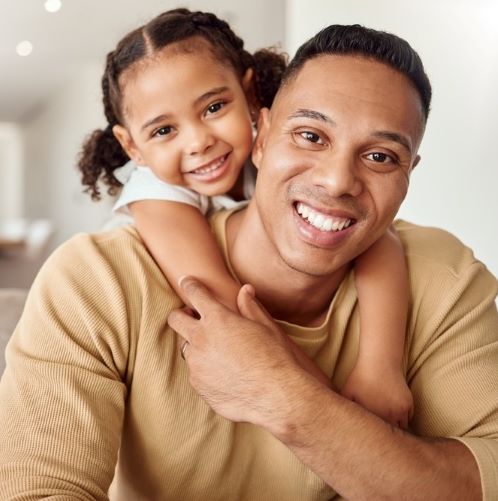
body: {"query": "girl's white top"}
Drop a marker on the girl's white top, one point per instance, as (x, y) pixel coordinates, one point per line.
(140, 183)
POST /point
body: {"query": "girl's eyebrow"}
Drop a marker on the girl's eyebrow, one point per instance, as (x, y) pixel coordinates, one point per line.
(204, 97)
(155, 120)
(211, 93)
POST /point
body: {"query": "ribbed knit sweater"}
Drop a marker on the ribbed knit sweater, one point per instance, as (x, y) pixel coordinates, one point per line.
(93, 369)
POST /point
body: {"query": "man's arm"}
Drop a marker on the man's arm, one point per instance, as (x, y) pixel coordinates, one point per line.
(245, 371)
(62, 394)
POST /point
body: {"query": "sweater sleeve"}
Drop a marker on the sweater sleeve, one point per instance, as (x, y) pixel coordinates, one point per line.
(62, 393)
(453, 374)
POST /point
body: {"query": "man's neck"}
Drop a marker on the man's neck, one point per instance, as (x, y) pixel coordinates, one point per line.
(287, 294)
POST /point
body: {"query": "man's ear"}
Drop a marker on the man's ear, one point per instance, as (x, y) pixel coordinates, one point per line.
(127, 143)
(417, 160)
(261, 137)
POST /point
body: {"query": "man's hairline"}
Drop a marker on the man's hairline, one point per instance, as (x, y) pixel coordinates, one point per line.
(289, 79)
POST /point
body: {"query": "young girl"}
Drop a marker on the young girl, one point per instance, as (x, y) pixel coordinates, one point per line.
(181, 96)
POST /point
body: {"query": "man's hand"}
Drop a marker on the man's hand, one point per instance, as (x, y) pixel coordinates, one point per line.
(242, 365)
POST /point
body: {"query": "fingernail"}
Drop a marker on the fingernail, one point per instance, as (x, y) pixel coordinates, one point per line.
(181, 280)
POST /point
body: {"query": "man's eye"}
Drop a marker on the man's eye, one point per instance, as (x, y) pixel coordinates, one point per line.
(163, 131)
(312, 137)
(213, 108)
(380, 158)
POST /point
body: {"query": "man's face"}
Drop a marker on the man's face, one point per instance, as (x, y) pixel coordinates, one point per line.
(334, 157)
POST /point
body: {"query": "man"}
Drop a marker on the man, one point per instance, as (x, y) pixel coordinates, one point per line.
(93, 366)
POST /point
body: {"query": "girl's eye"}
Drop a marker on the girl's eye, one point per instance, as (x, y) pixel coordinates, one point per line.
(163, 131)
(380, 158)
(213, 108)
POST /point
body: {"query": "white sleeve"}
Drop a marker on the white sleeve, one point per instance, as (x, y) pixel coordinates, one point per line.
(142, 184)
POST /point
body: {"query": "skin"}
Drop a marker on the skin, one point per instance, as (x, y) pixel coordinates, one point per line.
(349, 155)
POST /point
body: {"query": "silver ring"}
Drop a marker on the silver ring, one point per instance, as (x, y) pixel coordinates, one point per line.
(183, 349)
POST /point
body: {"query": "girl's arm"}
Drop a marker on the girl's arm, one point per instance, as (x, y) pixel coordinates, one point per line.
(181, 242)
(378, 381)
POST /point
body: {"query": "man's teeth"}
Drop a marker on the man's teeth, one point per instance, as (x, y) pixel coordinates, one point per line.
(321, 221)
(210, 167)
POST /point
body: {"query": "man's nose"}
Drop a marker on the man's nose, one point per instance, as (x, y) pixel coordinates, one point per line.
(338, 173)
(198, 139)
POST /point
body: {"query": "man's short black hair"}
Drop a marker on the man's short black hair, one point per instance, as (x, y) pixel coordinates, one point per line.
(368, 43)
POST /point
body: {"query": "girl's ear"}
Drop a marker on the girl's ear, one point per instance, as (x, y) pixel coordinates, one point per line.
(247, 79)
(250, 93)
(258, 149)
(127, 143)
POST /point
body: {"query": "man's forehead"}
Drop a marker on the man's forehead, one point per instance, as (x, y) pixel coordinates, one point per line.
(327, 82)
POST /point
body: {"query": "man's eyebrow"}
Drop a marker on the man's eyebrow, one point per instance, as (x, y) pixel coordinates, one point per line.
(394, 136)
(204, 97)
(314, 115)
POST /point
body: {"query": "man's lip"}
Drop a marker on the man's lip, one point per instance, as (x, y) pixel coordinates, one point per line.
(327, 211)
(319, 238)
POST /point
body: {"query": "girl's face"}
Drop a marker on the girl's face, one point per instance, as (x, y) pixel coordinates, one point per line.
(187, 118)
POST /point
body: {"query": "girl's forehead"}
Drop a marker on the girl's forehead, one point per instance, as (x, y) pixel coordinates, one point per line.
(196, 48)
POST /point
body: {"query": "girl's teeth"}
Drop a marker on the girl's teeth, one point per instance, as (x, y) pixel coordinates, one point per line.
(209, 168)
(321, 221)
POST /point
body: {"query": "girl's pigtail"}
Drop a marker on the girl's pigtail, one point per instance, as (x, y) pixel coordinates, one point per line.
(100, 156)
(101, 153)
(269, 67)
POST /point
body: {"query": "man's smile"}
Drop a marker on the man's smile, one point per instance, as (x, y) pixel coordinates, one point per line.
(321, 221)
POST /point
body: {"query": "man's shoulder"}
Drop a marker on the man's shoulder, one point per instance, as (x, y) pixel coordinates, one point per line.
(118, 254)
(434, 248)
(444, 273)
(113, 244)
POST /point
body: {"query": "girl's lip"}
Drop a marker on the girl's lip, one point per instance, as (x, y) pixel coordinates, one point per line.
(212, 170)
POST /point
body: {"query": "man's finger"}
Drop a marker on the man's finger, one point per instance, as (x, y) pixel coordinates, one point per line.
(250, 307)
(183, 323)
(198, 295)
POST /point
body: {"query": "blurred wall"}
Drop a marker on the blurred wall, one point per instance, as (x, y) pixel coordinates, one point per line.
(11, 171)
(454, 186)
(53, 138)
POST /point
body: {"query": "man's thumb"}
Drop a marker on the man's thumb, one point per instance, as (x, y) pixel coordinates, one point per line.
(251, 308)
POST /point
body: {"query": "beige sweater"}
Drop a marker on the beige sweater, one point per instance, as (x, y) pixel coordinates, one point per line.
(92, 368)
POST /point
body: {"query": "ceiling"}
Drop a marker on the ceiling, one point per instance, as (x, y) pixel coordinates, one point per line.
(83, 31)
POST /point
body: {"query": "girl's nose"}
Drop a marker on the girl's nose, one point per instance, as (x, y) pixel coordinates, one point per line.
(199, 139)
